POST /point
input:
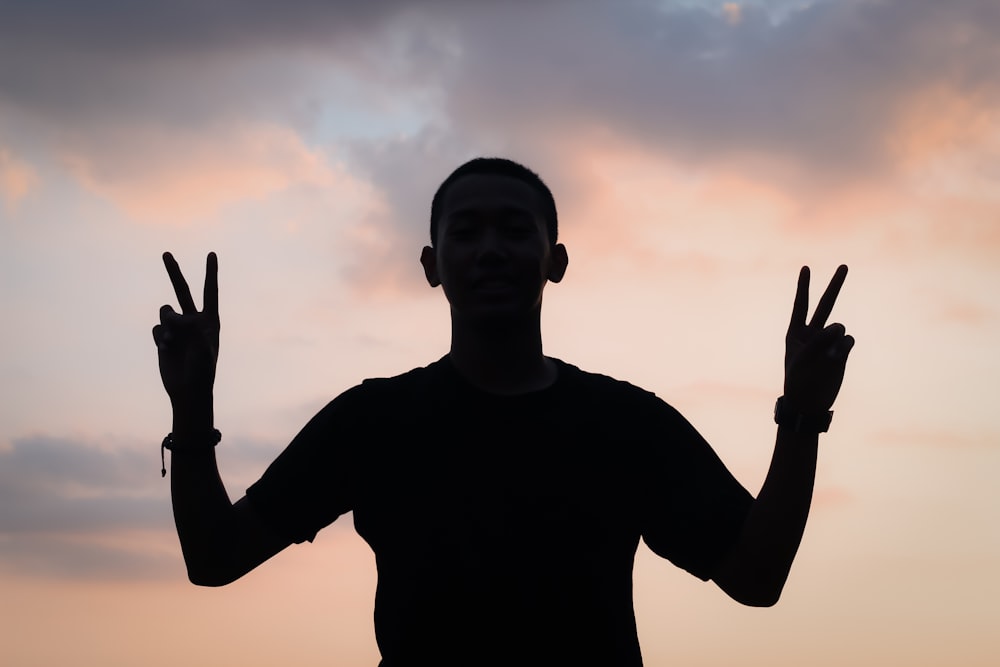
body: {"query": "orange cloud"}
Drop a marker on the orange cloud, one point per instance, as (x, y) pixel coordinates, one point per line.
(164, 176)
(733, 13)
(947, 145)
(625, 200)
(966, 313)
(17, 178)
(939, 120)
(946, 439)
(831, 496)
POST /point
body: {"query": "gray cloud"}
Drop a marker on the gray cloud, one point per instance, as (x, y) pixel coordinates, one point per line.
(77, 67)
(65, 558)
(821, 83)
(56, 484)
(807, 98)
(60, 498)
(123, 28)
(408, 171)
(821, 87)
(816, 88)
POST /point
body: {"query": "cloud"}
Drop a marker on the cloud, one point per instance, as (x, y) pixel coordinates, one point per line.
(822, 88)
(831, 105)
(118, 27)
(70, 507)
(17, 178)
(183, 109)
(733, 12)
(173, 176)
(966, 313)
(191, 63)
(55, 484)
(831, 496)
(69, 557)
(944, 439)
(822, 84)
(406, 171)
(823, 80)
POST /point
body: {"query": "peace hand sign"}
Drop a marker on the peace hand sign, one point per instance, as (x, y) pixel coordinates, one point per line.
(188, 342)
(815, 354)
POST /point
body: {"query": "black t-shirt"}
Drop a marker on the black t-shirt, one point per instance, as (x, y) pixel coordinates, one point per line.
(505, 527)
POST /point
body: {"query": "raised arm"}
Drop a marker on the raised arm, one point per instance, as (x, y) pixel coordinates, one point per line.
(220, 541)
(755, 571)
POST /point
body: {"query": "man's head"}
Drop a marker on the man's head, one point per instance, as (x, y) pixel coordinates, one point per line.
(493, 238)
(499, 166)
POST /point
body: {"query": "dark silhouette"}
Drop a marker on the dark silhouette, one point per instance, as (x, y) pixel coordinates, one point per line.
(503, 492)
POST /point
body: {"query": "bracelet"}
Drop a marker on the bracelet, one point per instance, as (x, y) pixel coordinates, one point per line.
(799, 422)
(172, 445)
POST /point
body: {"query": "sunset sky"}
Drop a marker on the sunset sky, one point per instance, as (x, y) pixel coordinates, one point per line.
(700, 152)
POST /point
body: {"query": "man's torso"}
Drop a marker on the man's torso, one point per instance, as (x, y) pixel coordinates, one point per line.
(504, 528)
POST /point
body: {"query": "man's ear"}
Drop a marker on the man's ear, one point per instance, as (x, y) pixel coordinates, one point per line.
(560, 260)
(428, 259)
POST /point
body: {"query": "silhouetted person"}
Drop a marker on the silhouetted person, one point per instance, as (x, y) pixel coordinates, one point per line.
(503, 492)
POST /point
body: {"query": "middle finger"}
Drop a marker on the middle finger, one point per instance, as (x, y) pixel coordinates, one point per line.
(825, 305)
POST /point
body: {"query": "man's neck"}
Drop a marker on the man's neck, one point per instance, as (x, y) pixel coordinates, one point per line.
(501, 358)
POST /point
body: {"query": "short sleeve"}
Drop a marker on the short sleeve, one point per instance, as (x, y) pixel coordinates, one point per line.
(693, 508)
(309, 484)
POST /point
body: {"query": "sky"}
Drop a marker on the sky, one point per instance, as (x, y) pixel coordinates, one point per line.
(700, 152)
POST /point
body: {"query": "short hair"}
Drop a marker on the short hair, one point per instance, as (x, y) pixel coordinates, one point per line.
(500, 167)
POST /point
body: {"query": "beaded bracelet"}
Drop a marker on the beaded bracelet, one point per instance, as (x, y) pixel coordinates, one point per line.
(168, 443)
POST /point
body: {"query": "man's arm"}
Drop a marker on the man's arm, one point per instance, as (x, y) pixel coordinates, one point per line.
(755, 570)
(220, 541)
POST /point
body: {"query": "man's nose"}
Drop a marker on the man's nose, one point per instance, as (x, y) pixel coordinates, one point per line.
(492, 245)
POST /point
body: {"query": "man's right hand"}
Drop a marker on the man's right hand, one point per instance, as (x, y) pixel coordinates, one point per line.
(221, 541)
(188, 342)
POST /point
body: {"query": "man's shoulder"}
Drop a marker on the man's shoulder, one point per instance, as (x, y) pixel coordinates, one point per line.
(416, 376)
(598, 382)
(415, 382)
(609, 394)
(634, 411)
(375, 398)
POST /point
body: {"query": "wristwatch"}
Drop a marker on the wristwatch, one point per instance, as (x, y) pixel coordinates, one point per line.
(798, 422)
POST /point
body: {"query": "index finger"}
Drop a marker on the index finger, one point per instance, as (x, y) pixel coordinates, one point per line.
(825, 306)
(181, 288)
(800, 306)
(212, 285)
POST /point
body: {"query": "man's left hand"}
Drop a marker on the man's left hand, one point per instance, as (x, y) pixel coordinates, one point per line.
(815, 354)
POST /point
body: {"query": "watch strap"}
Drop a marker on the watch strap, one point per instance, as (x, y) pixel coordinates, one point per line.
(787, 417)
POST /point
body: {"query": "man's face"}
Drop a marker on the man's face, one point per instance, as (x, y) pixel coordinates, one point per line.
(492, 253)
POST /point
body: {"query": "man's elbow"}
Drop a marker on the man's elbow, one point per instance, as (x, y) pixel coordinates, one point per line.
(208, 582)
(752, 591)
(211, 577)
(762, 598)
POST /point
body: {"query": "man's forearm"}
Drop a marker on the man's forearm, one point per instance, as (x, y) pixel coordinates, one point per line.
(755, 571)
(203, 512)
